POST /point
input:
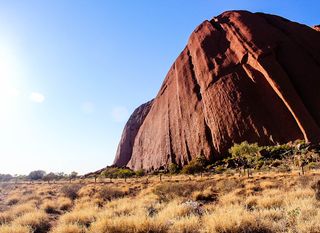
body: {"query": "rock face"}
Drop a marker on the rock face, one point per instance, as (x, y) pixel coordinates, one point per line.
(317, 28)
(130, 131)
(242, 76)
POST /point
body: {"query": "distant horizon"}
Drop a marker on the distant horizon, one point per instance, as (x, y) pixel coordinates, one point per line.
(71, 73)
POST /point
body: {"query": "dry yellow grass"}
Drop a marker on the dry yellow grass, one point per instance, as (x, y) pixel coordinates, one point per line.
(68, 228)
(5, 218)
(188, 224)
(14, 229)
(49, 206)
(128, 223)
(38, 221)
(54, 206)
(233, 218)
(64, 203)
(266, 203)
(83, 217)
(21, 209)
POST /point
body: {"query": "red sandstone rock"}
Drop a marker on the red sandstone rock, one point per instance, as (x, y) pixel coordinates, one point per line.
(129, 134)
(242, 76)
(317, 28)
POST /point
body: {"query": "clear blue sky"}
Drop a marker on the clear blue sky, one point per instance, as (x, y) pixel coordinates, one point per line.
(71, 72)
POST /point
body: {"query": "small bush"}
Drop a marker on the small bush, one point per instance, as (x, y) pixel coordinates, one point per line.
(219, 169)
(276, 163)
(173, 168)
(196, 165)
(140, 173)
(64, 204)
(284, 168)
(50, 207)
(207, 195)
(277, 152)
(13, 201)
(37, 221)
(114, 172)
(71, 191)
(109, 193)
(313, 165)
(259, 164)
(125, 173)
(166, 192)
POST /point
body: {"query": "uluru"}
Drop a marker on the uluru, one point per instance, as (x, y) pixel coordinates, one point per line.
(317, 27)
(242, 77)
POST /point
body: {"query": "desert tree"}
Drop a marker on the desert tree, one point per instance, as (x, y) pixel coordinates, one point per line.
(110, 172)
(196, 165)
(61, 175)
(95, 176)
(303, 159)
(125, 173)
(73, 175)
(50, 177)
(37, 175)
(244, 155)
(5, 177)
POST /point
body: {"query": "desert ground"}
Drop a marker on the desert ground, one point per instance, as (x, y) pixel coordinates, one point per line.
(266, 202)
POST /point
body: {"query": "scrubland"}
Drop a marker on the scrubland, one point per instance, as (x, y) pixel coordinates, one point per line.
(229, 203)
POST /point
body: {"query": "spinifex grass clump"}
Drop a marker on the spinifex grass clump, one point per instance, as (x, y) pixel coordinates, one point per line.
(267, 202)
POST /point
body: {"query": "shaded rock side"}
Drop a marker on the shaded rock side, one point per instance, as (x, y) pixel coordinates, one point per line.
(242, 76)
(129, 133)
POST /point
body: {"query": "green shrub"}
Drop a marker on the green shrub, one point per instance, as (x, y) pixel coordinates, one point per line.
(114, 172)
(125, 173)
(140, 172)
(228, 162)
(196, 165)
(219, 169)
(173, 168)
(245, 155)
(259, 164)
(277, 152)
(110, 172)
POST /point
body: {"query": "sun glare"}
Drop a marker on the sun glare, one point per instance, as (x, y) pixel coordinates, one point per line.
(9, 71)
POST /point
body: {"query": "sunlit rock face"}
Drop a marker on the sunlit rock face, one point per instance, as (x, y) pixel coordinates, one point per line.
(242, 76)
(317, 28)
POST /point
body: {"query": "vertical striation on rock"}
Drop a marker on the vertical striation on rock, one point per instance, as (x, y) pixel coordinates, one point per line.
(242, 76)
